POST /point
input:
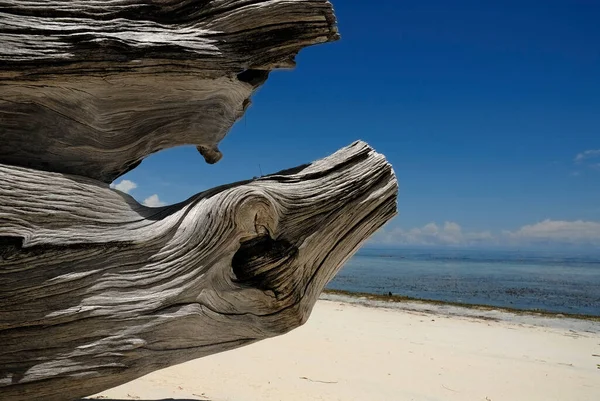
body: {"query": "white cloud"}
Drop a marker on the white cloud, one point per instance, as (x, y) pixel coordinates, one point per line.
(431, 234)
(547, 232)
(153, 201)
(125, 186)
(588, 154)
(570, 232)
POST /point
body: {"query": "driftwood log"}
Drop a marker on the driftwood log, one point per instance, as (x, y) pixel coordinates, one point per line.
(96, 289)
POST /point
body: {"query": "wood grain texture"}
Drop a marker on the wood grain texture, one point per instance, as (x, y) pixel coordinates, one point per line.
(93, 87)
(211, 35)
(96, 289)
(95, 296)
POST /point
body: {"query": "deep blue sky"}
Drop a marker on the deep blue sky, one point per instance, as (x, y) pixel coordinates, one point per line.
(482, 109)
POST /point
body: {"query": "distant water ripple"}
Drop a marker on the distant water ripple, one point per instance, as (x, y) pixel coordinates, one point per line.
(555, 282)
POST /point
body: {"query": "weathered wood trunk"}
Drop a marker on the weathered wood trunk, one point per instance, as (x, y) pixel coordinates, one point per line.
(96, 289)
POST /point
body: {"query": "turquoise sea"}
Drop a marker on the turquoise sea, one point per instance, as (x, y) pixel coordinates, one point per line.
(567, 282)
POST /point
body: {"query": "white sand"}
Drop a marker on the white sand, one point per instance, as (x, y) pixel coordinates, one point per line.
(351, 352)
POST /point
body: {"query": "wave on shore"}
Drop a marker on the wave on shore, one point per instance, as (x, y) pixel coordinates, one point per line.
(576, 322)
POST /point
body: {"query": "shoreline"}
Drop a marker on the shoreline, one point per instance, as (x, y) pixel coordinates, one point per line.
(355, 349)
(379, 300)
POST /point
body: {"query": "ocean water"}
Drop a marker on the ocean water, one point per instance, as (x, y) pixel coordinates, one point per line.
(548, 281)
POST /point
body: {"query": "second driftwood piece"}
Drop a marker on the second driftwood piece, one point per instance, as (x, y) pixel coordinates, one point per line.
(92, 87)
(97, 290)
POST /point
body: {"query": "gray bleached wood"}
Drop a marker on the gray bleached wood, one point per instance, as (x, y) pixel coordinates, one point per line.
(98, 290)
(92, 87)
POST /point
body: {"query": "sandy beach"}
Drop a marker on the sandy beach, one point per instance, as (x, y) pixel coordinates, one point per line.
(354, 350)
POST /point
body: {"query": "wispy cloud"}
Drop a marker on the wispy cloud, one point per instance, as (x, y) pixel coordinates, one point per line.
(569, 232)
(125, 186)
(547, 232)
(588, 154)
(450, 233)
(153, 201)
